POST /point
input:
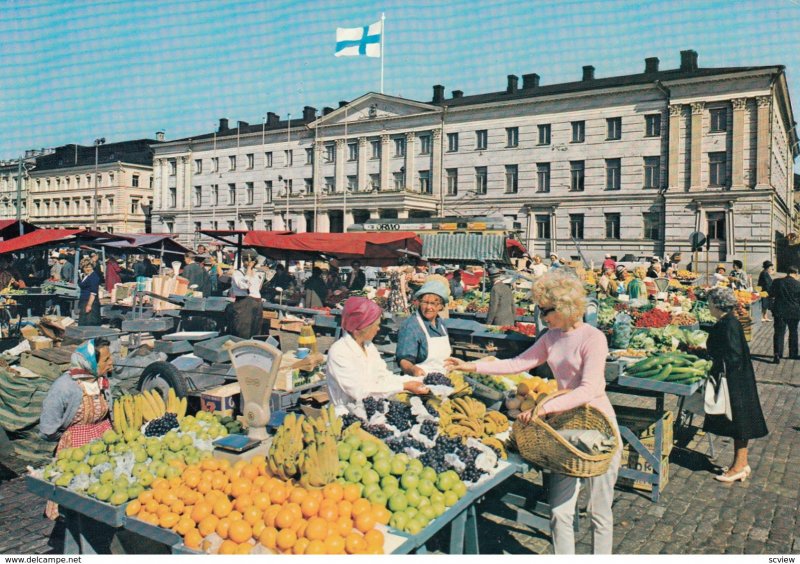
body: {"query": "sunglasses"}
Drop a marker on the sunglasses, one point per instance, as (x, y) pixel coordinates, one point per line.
(431, 304)
(545, 311)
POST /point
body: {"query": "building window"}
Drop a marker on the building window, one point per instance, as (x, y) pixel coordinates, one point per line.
(310, 155)
(248, 193)
(214, 164)
(652, 172)
(452, 142)
(36, 207)
(352, 182)
(330, 184)
(578, 131)
(231, 194)
(544, 134)
(576, 175)
(248, 224)
(425, 182)
(352, 151)
(652, 125)
(719, 119)
(268, 160)
(543, 177)
(716, 226)
(231, 226)
(375, 181)
(613, 173)
(215, 225)
(542, 226)
(173, 167)
(198, 196)
(452, 181)
(512, 179)
(717, 169)
(251, 160)
(576, 226)
(232, 162)
(268, 191)
(652, 225)
(134, 206)
(481, 180)
(110, 229)
(614, 129)
(170, 226)
(424, 144)
(399, 180)
(481, 139)
(612, 226)
(110, 205)
(198, 225)
(375, 145)
(308, 184)
(198, 166)
(268, 225)
(399, 147)
(173, 197)
(135, 181)
(110, 178)
(214, 195)
(512, 136)
(330, 153)
(288, 157)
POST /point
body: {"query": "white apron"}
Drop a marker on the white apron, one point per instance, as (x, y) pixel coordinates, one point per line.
(439, 350)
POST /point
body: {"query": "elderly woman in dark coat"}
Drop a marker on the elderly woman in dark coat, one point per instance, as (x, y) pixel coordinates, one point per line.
(731, 357)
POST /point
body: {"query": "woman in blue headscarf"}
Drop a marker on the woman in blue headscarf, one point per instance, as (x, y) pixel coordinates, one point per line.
(77, 408)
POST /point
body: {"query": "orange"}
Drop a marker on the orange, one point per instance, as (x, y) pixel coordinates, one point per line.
(250, 472)
(241, 486)
(334, 544)
(333, 491)
(210, 464)
(152, 506)
(355, 544)
(300, 546)
(240, 531)
(252, 515)
(352, 492)
(316, 495)
(382, 515)
(260, 500)
(298, 495)
(192, 539)
(317, 529)
(162, 509)
(268, 537)
(360, 506)
(295, 509)
(223, 464)
(133, 508)
(244, 548)
(344, 526)
(365, 521)
(285, 518)
(146, 496)
(185, 524)
(222, 507)
(299, 527)
(286, 539)
(315, 547)
(168, 520)
(174, 482)
(201, 510)
(345, 508)
(243, 502)
(152, 519)
(191, 477)
(160, 484)
(309, 507)
(270, 514)
(218, 481)
(260, 482)
(258, 528)
(374, 539)
(158, 494)
(204, 486)
(208, 525)
(328, 513)
(223, 526)
(178, 506)
(228, 547)
(278, 493)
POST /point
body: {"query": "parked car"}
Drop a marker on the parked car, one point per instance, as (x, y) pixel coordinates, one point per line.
(630, 261)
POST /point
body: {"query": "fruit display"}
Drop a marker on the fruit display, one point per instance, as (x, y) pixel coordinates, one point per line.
(674, 367)
(222, 508)
(468, 417)
(528, 393)
(437, 379)
(162, 425)
(131, 411)
(526, 329)
(656, 317)
(206, 426)
(683, 319)
(493, 382)
(703, 314)
(745, 297)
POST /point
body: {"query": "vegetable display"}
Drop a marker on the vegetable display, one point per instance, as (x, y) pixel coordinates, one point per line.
(679, 368)
(654, 318)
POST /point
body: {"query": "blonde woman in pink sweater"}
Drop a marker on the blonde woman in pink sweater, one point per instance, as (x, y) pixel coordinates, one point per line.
(576, 353)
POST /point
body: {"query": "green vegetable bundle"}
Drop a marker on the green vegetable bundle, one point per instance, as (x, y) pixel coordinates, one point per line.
(677, 367)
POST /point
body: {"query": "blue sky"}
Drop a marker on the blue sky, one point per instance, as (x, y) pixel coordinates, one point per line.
(74, 71)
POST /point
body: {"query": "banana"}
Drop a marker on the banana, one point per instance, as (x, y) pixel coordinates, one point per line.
(182, 407)
(162, 408)
(497, 445)
(171, 401)
(130, 420)
(147, 410)
(117, 416)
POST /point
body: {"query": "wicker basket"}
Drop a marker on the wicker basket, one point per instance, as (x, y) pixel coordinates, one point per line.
(539, 442)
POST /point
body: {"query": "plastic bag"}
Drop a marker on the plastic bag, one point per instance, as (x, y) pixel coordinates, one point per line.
(623, 330)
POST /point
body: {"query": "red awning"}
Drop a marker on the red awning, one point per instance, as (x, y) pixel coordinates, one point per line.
(36, 238)
(151, 241)
(370, 247)
(9, 228)
(513, 244)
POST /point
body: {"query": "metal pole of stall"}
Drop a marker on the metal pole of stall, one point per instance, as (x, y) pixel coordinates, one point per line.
(161, 258)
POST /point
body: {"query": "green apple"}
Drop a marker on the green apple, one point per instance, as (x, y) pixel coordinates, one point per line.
(382, 466)
(353, 474)
(398, 502)
(79, 454)
(83, 468)
(107, 477)
(369, 448)
(187, 441)
(146, 478)
(104, 492)
(110, 437)
(139, 454)
(172, 472)
(358, 458)
(96, 447)
(398, 467)
(428, 474)
(388, 481)
(413, 497)
(134, 491)
(416, 525)
(119, 497)
(64, 454)
(437, 497)
(439, 508)
(427, 512)
(409, 481)
(370, 477)
(377, 497)
(410, 512)
(450, 498)
(398, 521)
(425, 488)
(93, 487)
(459, 488)
(444, 482)
(344, 451)
(64, 479)
(415, 466)
(370, 489)
(390, 490)
(353, 441)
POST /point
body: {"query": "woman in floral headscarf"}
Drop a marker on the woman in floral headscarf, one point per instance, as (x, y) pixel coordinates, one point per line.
(77, 410)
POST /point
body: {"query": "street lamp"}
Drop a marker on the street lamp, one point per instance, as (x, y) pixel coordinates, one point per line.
(97, 143)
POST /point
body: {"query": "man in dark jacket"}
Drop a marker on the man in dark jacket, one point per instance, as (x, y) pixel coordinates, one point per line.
(67, 270)
(501, 300)
(196, 274)
(357, 279)
(785, 296)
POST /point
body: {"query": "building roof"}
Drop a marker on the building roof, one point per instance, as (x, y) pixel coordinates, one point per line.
(137, 151)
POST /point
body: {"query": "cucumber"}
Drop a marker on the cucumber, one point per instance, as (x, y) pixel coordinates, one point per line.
(664, 374)
(646, 373)
(643, 365)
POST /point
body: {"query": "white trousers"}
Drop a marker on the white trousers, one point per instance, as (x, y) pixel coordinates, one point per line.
(564, 492)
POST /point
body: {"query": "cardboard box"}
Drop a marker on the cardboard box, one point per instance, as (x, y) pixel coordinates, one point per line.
(311, 404)
(635, 461)
(270, 314)
(29, 332)
(38, 343)
(221, 399)
(640, 422)
(289, 364)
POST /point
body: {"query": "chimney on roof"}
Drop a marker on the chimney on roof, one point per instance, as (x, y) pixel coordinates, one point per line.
(588, 72)
(458, 94)
(438, 93)
(272, 119)
(326, 110)
(342, 103)
(689, 60)
(309, 113)
(223, 124)
(159, 135)
(513, 83)
(530, 81)
(651, 64)
(242, 124)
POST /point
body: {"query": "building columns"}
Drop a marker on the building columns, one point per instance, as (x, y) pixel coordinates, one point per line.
(436, 165)
(385, 162)
(673, 172)
(410, 150)
(323, 222)
(762, 142)
(697, 145)
(362, 181)
(317, 181)
(739, 109)
(339, 179)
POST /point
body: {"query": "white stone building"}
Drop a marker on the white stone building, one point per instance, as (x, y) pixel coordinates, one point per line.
(627, 164)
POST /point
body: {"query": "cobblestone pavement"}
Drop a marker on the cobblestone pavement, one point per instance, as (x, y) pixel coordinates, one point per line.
(695, 515)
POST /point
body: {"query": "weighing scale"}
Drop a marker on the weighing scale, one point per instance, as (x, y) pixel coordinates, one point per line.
(256, 365)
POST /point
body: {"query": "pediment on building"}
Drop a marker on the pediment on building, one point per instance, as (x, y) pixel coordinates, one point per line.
(374, 106)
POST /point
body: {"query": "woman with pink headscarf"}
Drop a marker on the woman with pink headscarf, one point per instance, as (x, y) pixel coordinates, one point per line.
(355, 368)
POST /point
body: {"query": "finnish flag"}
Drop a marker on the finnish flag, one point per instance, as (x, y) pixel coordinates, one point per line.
(359, 41)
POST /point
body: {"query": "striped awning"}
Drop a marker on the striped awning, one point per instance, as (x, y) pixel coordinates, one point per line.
(464, 247)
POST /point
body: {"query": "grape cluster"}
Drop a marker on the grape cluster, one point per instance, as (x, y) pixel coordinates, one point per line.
(350, 419)
(374, 405)
(435, 459)
(380, 431)
(159, 427)
(400, 416)
(432, 410)
(468, 455)
(400, 444)
(437, 379)
(429, 429)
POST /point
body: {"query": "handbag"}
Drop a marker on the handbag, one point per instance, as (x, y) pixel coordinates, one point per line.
(717, 398)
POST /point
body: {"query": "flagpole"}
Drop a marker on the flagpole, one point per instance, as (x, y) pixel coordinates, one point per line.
(383, 34)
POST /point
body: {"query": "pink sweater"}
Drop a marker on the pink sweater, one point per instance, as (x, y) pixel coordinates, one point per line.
(578, 361)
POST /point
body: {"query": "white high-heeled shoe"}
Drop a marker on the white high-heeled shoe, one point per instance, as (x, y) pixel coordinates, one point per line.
(741, 475)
